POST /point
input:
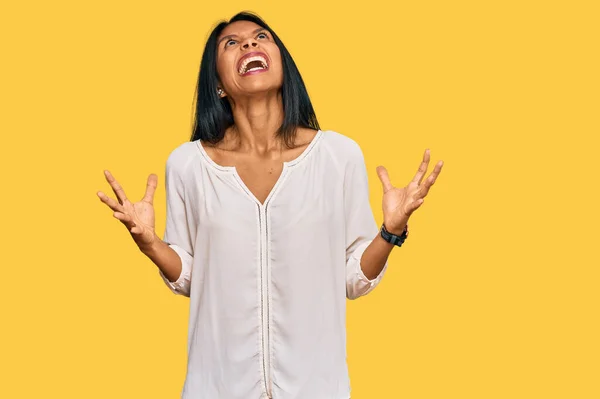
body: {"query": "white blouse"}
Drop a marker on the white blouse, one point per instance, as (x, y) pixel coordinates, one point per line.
(268, 282)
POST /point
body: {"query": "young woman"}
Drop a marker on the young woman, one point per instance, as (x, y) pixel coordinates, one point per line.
(269, 227)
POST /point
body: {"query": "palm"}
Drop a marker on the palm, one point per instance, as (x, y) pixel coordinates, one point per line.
(142, 213)
(400, 203)
(395, 204)
(138, 217)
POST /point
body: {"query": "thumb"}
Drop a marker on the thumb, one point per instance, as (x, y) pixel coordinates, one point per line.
(416, 204)
(385, 179)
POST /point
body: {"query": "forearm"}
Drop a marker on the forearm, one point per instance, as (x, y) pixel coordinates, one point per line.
(375, 255)
(165, 257)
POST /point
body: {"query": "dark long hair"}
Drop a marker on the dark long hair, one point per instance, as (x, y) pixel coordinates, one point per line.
(214, 115)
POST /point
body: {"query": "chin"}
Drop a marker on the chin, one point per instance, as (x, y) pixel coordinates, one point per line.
(260, 87)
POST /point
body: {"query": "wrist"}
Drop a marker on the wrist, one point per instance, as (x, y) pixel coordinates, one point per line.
(396, 238)
(153, 247)
(395, 229)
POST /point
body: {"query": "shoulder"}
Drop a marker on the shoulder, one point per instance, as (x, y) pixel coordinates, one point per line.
(179, 157)
(343, 148)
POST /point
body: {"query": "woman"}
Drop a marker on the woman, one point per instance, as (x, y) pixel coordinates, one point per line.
(269, 227)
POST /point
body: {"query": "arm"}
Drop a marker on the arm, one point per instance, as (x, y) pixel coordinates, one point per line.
(375, 257)
(170, 265)
(174, 253)
(366, 251)
(398, 205)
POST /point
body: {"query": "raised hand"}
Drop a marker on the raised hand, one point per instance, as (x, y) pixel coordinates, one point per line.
(400, 203)
(138, 217)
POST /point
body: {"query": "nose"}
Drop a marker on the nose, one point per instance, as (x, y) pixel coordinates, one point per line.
(250, 42)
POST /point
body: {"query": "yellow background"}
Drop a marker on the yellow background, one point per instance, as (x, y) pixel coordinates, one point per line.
(495, 293)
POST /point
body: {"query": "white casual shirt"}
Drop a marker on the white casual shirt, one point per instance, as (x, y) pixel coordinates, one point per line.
(268, 282)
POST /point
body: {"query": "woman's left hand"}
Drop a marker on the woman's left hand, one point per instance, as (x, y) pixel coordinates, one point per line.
(400, 203)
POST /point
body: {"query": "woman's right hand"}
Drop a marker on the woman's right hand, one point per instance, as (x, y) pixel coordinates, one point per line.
(138, 217)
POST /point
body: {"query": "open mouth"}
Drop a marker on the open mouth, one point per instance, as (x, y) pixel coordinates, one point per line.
(252, 64)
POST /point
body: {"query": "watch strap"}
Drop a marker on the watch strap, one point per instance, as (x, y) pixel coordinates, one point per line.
(392, 238)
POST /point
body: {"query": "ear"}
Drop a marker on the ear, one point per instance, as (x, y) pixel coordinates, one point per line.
(220, 91)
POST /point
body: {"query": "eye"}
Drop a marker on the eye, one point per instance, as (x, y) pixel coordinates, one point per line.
(229, 41)
(263, 34)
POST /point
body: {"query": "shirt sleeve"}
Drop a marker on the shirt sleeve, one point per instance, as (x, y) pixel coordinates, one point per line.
(177, 233)
(361, 227)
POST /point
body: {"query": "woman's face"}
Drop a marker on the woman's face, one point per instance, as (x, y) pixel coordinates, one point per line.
(248, 60)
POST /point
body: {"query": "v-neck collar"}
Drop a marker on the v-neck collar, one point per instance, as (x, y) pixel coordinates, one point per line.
(284, 171)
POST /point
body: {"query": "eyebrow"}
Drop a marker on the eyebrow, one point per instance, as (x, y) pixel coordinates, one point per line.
(230, 36)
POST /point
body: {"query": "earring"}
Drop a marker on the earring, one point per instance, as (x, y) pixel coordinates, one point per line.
(220, 91)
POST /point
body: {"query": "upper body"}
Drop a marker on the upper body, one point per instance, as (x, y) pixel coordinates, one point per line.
(270, 216)
(268, 277)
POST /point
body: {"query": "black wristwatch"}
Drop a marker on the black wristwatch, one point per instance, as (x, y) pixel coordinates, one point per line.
(392, 238)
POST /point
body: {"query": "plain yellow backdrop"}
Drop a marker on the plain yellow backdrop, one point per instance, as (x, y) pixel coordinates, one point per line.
(495, 293)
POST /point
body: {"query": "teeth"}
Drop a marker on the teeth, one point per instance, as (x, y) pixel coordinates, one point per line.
(250, 59)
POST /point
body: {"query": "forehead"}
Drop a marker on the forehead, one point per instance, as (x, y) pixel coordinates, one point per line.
(239, 28)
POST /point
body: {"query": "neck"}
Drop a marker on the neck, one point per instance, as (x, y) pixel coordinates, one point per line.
(257, 119)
